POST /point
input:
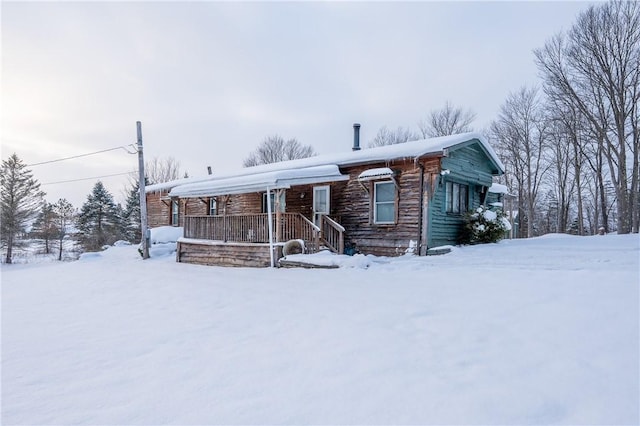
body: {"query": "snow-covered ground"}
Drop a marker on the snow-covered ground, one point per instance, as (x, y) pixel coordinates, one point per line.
(540, 331)
(34, 251)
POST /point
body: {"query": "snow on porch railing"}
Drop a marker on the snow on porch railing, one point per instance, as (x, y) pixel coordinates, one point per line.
(252, 228)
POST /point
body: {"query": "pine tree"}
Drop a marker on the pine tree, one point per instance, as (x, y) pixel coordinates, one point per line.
(121, 225)
(64, 217)
(19, 201)
(132, 214)
(44, 226)
(99, 219)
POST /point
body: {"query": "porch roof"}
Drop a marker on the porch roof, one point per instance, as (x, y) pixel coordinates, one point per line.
(278, 179)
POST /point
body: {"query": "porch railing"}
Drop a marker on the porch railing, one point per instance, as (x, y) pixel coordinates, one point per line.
(253, 228)
(332, 234)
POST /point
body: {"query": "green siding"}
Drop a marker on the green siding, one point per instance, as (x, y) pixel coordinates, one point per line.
(467, 165)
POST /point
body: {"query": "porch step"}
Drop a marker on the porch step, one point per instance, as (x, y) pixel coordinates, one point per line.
(438, 251)
(293, 264)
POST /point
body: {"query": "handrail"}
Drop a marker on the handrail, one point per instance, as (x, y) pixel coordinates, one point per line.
(334, 223)
(313, 225)
(332, 234)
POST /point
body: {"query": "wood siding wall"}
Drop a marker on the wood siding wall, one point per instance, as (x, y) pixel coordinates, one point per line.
(470, 166)
(217, 253)
(158, 209)
(352, 207)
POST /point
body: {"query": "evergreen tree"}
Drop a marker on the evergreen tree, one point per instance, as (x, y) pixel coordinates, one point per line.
(44, 226)
(132, 214)
(122, 229)
(19, 201)
(99, 220)
(64, 216)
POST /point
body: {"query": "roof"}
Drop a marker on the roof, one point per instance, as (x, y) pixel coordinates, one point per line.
(260, 181)
(407, 150)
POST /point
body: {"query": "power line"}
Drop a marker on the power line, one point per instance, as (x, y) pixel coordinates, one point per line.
(89, 178)
(82, 155)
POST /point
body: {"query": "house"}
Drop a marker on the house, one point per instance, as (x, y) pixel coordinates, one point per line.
(387, 201)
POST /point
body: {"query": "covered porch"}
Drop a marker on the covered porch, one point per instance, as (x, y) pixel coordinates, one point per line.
(233, 238)
(244, 240)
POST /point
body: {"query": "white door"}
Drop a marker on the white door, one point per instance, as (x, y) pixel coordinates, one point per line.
(320, 202)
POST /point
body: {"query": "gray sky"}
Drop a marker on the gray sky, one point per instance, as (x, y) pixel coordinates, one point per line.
(210, 81)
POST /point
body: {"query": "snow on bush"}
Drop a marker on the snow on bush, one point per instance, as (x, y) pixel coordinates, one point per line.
(484, 226)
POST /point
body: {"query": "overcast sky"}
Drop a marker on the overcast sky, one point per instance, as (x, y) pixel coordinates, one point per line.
(209, 81)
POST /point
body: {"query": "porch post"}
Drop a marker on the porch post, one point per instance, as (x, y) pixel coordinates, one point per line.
(277, 193)
(270, 219)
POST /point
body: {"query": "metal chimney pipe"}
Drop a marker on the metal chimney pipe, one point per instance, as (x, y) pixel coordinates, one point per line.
(356, 137)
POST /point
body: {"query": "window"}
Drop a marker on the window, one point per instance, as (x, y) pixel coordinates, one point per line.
(457, 196)
(384, 201)
(213, 207)
(273, 202)
(174, 212)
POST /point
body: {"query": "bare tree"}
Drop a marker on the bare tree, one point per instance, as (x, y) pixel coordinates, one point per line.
(274, 149)
(449, 120)
(392, 137)
(560, 176)
(160, 170)
(520, 134)
(596, 66)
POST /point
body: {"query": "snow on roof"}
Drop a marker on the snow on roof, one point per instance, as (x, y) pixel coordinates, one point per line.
(498, 188)
(259, 182)
(172, 183)
(413, 149)
(375, 173)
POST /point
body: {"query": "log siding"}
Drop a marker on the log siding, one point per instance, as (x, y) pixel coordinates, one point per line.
(421, 218)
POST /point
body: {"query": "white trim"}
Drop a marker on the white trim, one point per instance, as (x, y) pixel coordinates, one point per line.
(375, 203)
(327, 199)
(270, 216)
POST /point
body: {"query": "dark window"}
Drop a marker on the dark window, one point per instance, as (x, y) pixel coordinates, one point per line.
(213, 207)
(457, 196)
(174, 212)
(273, 202)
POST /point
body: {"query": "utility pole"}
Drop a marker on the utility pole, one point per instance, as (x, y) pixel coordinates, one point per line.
(143, 196)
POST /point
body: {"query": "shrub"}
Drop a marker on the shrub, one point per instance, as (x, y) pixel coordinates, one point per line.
(484, 225)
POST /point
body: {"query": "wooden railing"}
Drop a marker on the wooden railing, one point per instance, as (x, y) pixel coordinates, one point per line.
(253, 228)
(332, 234)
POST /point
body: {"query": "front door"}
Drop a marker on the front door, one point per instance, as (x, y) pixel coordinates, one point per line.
(320, 202)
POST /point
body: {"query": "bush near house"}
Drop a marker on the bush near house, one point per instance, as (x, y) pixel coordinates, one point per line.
(484, 225)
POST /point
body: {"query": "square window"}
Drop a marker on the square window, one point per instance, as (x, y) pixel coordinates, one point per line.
(384, 200)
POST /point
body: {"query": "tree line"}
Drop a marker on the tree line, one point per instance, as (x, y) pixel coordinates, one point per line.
(100, 220)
